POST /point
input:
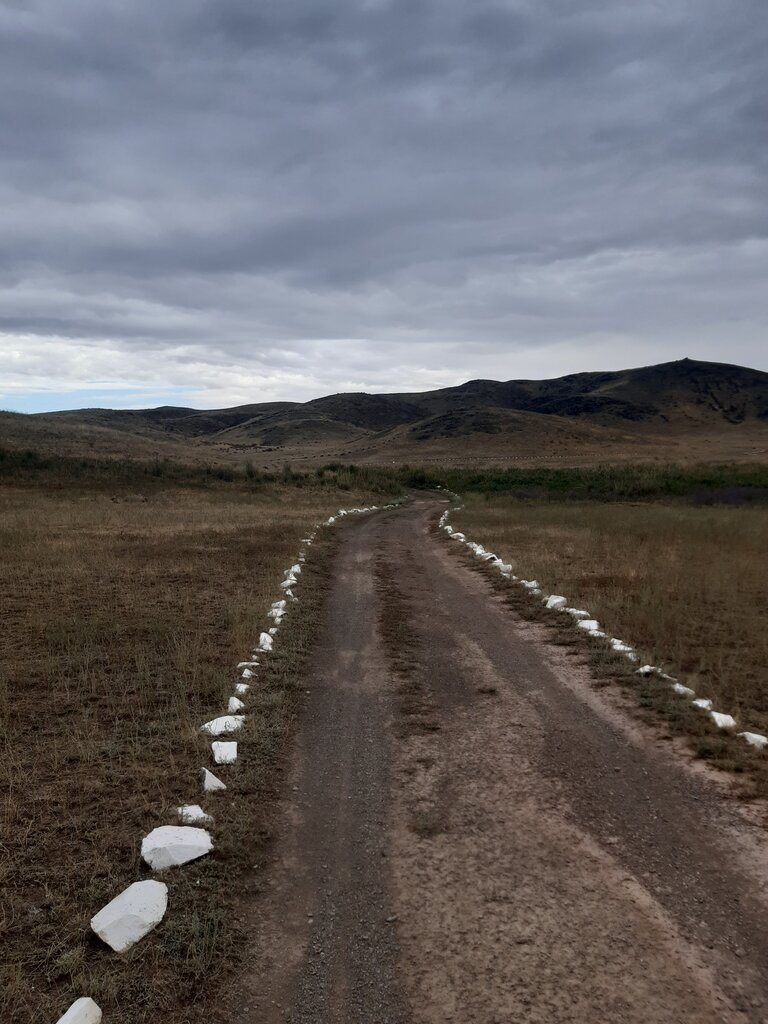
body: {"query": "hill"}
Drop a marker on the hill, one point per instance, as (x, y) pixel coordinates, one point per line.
(686, 410)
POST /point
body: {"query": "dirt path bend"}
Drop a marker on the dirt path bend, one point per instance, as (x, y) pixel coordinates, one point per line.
(472, 833)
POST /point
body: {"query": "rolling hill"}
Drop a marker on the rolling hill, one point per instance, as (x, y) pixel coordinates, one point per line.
(684, 410)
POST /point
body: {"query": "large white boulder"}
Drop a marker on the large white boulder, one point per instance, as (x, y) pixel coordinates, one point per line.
(588, 624)
(211, 784)
(131, 915)
(224, 752)
(193, 814)
(682, 691)
(223, 724)
(82, 1011)
(556, 602)
(754, 739)
(171, 845)
(722, 721)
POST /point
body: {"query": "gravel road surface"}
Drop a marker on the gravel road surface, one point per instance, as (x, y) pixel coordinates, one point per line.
(473, 832)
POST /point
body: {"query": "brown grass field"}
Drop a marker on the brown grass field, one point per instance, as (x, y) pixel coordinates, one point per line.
(124, 616)
(686, 585)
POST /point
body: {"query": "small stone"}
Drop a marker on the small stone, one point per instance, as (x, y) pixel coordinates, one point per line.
(235, 704)
(223, 725)
(224, 752)
(82, 1011)
(211, 783)
(131, 915)
(171, 845)
(193, 814)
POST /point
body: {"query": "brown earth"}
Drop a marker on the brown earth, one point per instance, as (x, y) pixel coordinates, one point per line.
(471, 832)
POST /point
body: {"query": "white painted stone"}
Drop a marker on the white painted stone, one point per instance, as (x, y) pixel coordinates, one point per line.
(131, 915)
(555, 601)
(172, 845)
(235, 705)
(598, 634)
(646, 670)
(755, 739)
(578, 613)
(193, 814)
(620, 647)
(211, 784)
(588, 624)
(82, 1011)
(248, 664)
(265, 642)
(295, 569)
(288, 583)
(703, 703)
(223, 724)
(458, 536)
(683, 691)
(272, 630)
(224, 752)
(241, 689)
(722, 721)
(247, 673)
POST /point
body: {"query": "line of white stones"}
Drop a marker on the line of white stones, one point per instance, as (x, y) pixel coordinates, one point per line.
(141, 907)
(557, 603)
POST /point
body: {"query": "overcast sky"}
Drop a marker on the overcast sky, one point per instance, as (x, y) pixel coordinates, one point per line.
(210, 202)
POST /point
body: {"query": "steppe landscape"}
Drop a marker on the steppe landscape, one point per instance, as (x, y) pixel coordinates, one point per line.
(410, 671)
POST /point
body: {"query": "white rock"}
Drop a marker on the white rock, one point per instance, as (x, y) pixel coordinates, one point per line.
(703, 703)
(330, 520)
(171, 845)
(82, 1011)
(531, 584)
(272, 631)
(248, 664)
(224, 752)
(588, 624)
(211, 784)
(131, 915)
(646, 670)
(459, 536)
(193, 814)
(620, 647)
(598, 634)
(295, 569)
(290, 582)
(247, 673)
(223, 724)
(577, 613)
(265, 642)
(683, 691)
(241, 689)
(722, 721)
(755, 739)
(235, 705)
(554, 601)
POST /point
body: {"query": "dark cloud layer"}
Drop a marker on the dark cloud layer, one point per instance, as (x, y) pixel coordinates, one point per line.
(287, 198)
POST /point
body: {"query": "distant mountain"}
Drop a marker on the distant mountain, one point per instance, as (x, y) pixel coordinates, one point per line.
(625, 409)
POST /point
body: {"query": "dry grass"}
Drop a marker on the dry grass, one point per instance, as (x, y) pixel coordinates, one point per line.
(686, 585)
(123, 619)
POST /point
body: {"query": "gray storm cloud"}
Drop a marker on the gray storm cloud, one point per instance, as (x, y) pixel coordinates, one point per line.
(265, 198)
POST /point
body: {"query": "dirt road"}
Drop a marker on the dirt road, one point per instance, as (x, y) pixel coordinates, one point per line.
(472, 832)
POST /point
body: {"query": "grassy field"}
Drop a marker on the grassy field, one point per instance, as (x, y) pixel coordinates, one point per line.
(685, 584)
(125, 611)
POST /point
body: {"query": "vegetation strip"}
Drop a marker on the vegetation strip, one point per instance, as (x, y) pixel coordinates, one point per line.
(556, 602)
(132, 914)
